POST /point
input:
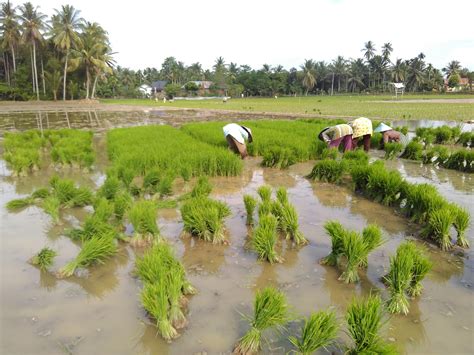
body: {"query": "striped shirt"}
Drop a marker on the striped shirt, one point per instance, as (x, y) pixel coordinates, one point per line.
(336, 132)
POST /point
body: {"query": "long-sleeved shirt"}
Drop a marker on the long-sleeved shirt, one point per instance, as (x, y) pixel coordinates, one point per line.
(394, 136)
(236, 131)
(336, 132)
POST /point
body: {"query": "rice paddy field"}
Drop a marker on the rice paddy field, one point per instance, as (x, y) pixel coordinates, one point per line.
(162, 241)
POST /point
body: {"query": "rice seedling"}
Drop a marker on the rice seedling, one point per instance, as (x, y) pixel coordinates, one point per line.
(103, 209)
(41, 193)
(175, 283)
(421, 200)
(44, 259)
(358, 155)
(250, 204)
(319, 331)
(355, 252)
(413, 151)
(170, 203)
(51, 206)
(142, 215)
(265, 193)
(461, 223)
(83, 196)
(94, 225)
(155, 301)
(270, 310)
(265, 238)
(383, 185)
(265, 207)
(336, 231)
(375, 140)
(204, 218)
(466, 139)
(20, 203)
(392, 150)
(436, 155)
(290, 226)
(437, 228)
(282, 195)
(122, 203)
(165, 186)
(462, 160)
(402, 129)
(110, 187)
(399, 280)
(22, 151)
(328, 170)
(151, 180)
(372, 236)
(94, 251)
(364, 321)
(202, 188)
(421, 266)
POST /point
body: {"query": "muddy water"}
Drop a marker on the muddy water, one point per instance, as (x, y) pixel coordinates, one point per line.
(98, 311)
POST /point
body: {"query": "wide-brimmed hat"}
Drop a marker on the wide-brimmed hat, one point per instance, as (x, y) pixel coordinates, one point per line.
(249, 132)
(382, 128)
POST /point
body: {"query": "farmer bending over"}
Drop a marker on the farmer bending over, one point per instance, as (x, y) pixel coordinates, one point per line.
(389, 135)
(361, 127)
(236, 135)
(335, 135)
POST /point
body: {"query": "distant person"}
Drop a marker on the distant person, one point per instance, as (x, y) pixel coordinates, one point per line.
(361, 128)
(236, 135)
(389, 135)
(335, 135)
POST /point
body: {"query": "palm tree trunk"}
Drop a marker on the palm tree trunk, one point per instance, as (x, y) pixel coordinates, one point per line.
(338, 83)
(13, 57)
(95, 85)
(7, 69)
(332, 85)
(88, 83)
(42, 77)
(32, 71)
(64, 77)
(36, 71)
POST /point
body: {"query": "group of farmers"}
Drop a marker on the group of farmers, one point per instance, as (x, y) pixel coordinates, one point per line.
(347, 134)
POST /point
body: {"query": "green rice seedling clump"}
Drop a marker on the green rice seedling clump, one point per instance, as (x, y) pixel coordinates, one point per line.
(40, 193)
(398, 280)
(265, 193)
(462, 160)
(466, 139)
(204, 218)
(372, 236)
(142, 215)
(402, 129)
(71, 147)
(94, 251)
(122, 202)
(421, 266)
(336, 232)
(44, 259)
(421, 200)
(384, 185)
(355, 252)
(392, 150)
(319, 331)
(376, 140)
(328, 171)
(250, 204)
(20, 203)
(282, 195)
(438, 225)
(203, 187)
(51, 206)
(413, 151)
(270, 310)
(290, 226)
(265, 207)
(265, 238)
(364, 321)
(110, 187)
(22, 151)
(358, 155)
(461, 224)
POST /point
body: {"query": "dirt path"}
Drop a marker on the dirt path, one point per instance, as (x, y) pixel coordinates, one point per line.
(430, 101)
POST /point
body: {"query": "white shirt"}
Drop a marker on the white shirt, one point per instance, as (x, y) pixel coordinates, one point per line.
(236, 131)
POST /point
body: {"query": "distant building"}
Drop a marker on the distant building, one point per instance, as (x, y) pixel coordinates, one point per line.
(463, 84)
(158, 86)
(146, 90)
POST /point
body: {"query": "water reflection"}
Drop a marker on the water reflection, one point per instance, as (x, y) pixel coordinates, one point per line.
(200, 256)
(330, 195)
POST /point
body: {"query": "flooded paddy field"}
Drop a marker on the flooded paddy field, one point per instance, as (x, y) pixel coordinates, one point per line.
(98, 311)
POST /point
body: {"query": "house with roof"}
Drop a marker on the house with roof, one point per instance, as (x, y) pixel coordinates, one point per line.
(204, 86)
(158, 87)
(463, 84)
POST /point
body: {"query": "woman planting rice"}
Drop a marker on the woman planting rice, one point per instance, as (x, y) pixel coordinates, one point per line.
(335, 135)
(361, 127)
(236, 136)
(389, 135)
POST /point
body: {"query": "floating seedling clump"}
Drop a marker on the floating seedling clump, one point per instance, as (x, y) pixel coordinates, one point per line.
(392, 150)
(288, 221)
(165, 285)
(328, 171)
(19, 203)
(265, 238)
(204, 218)
(461, 223)
(319, 331)
(462, 160)
(438, 226)
(250, 204)
(202, 188)
(44, 259)
(142, 215)
(336, 232)
(270, 310)
(383, 185)
(413, 151)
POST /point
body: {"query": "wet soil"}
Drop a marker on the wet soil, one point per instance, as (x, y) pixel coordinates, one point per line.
(98, 311)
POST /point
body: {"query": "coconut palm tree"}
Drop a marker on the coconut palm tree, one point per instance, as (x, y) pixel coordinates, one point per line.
(356, 73)
(33, 24)
(65, 34)
(369, 52)
(453, 67)
(399, 70)
(386, 51)
(309, 75)
(10, 28)
(339, 66)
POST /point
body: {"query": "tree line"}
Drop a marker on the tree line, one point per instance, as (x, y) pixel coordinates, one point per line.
(64, 54)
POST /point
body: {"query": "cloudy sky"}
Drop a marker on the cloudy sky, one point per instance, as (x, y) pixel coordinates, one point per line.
(255, 32)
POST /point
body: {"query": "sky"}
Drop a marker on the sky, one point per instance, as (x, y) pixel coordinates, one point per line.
(286, 32)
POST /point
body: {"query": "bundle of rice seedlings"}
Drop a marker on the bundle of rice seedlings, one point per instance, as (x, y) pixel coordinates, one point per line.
(438, 225)
(265, 193)
(44, 259)
(462, 160)
(290, 225)
(421, 266)
(94, 251)
(40, 193)
(110, 187)
(204, 217)
(328, 170)
(103, 209)
(383, 185)
(151, 180)
(360, 176)
(461, 223)
(355, 252)
(93, 225)
(372, 236)
(142, 215)
(20, 203)
(165, 187)
(250, 204)
(265, 207)
(466, 139)
(51, 206)
(83, 196)
(413, 151)
(319, 331)
(282, 195)
(270, 310)
(436, 155)
(398, 280)
(358, 155)
(375, 141)
(155, 301)
(336, 231)
(265, 238)
(422, 199)
(392, 150)
(364, 321)
(175, 285)
(122, 203)
(203, 187)
(63, 189)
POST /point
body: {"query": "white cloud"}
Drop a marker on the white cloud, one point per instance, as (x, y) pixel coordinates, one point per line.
(255, 32)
